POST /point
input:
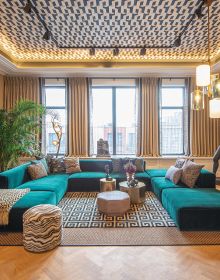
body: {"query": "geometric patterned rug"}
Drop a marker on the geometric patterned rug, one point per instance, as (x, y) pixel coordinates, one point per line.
(80, 211)
(143, 225)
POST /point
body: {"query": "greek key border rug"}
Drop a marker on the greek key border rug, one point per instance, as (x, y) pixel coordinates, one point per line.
(143, 225)
(80, 211)
(157, 236)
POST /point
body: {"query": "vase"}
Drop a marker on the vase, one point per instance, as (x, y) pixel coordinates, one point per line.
(130, 176)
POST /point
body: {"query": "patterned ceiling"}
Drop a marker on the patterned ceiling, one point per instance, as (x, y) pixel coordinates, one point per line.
(81, 23)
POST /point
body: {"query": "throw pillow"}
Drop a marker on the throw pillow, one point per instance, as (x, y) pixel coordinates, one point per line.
(180, 162)
(57, 165)
(190, 174)
(72, 164)
(139, 163)
(37, 170)
(44, 162)
(116, 164)
(125, 161)
(174, 174)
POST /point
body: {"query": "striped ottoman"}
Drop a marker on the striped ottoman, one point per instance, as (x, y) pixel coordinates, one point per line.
(42, 228)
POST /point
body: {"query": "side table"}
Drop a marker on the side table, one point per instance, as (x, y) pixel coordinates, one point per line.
(137, 193)
(106, 186)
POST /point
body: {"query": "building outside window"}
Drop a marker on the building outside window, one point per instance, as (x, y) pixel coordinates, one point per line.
(113, 115)
(172, 95)
(54, 98)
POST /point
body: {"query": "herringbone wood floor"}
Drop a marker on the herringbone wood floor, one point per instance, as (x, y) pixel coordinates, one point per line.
(115, 263)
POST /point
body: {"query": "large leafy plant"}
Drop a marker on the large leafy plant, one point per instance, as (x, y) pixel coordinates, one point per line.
(19, 130)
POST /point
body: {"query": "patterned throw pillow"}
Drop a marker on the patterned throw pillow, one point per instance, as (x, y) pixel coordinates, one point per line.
(116, 164)
(126, 161)
(72, 164)
(139, 163)
(174, 174)
(180, 162)
(37, 170)
(190, 174)
(57, 165)
(44, 162)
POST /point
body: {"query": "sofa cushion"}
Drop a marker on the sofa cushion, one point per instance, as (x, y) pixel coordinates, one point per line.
(139, 163)
(85, 181)
(57, 165)
(190, 174)
(180, 162)
(174, 174)
(29, 200)
(206, 179)
(14, 177)
(193, 209)
(156, 172)
(118, 175)
(37, 171)
(116, 165)
(94, 165)
(56, 183)
(159, 184)
(72, 164)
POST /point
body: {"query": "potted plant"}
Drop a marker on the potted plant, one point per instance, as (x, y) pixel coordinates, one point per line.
(19, 128)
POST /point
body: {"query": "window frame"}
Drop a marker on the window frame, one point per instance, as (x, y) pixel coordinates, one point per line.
(114, 117)
(43, 99)
(170, 108)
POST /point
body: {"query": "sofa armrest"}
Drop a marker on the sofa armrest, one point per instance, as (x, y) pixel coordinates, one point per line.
(14, 177)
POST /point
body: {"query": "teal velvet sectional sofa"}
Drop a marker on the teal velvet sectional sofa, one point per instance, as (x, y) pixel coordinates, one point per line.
(195, 208)
(191, 209)
(93, 171)
(51, 189)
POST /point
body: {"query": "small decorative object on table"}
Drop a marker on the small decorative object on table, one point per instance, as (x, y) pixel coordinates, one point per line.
(106, 185)
(130, 169)
(107, 171)
(102, 148)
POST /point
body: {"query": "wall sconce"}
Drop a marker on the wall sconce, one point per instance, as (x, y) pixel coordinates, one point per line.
(197, 98)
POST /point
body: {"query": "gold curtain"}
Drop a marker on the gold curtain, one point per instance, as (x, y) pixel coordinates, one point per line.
(78, 140)
(16, 88)
(148, 142)
(205, 132)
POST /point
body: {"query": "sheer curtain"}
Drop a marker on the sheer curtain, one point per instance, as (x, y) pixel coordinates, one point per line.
(148, 128)
(78, 124)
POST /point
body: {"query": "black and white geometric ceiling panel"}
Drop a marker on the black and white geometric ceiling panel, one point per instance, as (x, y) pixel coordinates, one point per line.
(108, 23)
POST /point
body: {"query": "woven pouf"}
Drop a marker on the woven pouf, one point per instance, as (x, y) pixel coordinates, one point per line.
(42, 228)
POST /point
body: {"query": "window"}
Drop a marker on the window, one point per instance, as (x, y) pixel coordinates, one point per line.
(54, 98)
(113, 115)
(172, 102)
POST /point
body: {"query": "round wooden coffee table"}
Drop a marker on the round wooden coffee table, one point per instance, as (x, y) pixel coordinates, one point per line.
(137, 193)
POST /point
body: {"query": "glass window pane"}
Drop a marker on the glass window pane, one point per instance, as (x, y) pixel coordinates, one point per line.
(125, 121)
(50, 133)
(171, 131)
(55, 97)
(172, 97)
(101, 122)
